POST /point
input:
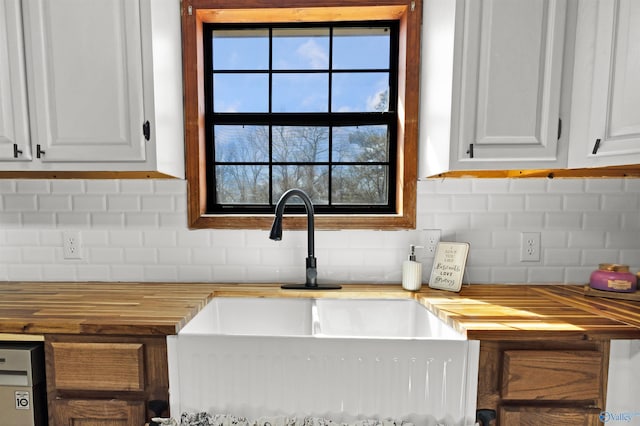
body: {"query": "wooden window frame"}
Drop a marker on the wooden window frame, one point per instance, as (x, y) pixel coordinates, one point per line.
(409, 15)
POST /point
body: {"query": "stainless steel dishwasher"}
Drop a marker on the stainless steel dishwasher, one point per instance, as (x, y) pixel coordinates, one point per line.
(23, 399)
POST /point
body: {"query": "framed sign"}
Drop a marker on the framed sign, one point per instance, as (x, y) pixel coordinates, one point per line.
(448, 266)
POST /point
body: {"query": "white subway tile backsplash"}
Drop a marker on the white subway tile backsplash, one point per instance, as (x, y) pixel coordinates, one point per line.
(594, 257)
(566, 186)
(587, 239)
(543, 203)
(141, 220)
(138, 186)
(601, 220)
(490, 186)
(123, 239)
(191, 273)
(37, 220)
(127, 273)
(107, 220)
(54, 203)
(528, 186)
(564, 220)
(623, 240)
(140, 256)
(604, 185)
(123, 203)
(33, 186)
(73, 219)
(89, 203)
(157, 203)
(93, 272)
(20, 203)
(548, 274)
(619, 203)
(561, 257)
(582, 202)
(525, 221)
(174, 256)
(489, 220)
(67, 186)
(24, 272)
(101, 187)
(135, 230)
(160, 238)
(509, 275)
(506, 202)
(161, 273)
(210, 256)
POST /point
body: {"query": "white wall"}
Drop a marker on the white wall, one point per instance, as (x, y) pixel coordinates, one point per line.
(135, 230)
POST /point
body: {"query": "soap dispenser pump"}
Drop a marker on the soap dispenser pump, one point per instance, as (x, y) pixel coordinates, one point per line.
(412, 271)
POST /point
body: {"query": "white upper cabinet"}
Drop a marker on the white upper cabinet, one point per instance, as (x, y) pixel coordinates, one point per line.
(605, 114)
(14, 117)
(85, 79)
(506, 87)
(96, 72)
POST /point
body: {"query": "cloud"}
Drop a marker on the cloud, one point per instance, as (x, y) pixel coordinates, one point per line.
(314, 54)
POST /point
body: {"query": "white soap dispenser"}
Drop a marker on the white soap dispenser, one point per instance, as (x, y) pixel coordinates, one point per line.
(412, 271)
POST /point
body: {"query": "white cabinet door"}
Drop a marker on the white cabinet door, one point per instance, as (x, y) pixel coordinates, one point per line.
(605, 127)
(14, 118)
(508, 96)
(84, 71)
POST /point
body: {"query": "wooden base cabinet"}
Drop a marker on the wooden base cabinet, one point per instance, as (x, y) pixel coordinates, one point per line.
(104, 381)
(534, 416)
(543, 382)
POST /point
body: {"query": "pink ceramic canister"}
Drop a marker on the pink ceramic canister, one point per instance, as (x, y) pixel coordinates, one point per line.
(613, 277)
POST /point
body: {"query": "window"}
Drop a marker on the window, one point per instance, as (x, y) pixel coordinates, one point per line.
(341, 126)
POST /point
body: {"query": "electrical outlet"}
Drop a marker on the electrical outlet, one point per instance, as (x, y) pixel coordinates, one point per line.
(530, 247)
(71, 245)
(430, 240)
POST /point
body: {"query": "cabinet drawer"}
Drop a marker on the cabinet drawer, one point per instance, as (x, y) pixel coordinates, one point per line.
(551, 375)
(99, 366)
(534, 416)
(97, 412)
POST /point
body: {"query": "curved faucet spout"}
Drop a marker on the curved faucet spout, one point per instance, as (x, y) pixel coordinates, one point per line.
(276, 228)
(311, 281)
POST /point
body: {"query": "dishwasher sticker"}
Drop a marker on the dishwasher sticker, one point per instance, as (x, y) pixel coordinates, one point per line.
(22, 400)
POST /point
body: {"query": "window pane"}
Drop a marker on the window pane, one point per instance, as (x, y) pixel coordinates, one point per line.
(301, 49)
(360, 144)
(360, 92)
(360, 185)
(240, 49)
(361, 48)
(242, 184)
(300, 92)
(314, 180)
(247, 144)
(302, 144)
(241, 93)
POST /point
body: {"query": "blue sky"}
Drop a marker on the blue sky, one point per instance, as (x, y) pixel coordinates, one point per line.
(300, 49)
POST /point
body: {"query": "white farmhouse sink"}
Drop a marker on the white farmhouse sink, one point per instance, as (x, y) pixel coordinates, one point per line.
(338, 357)
(343, 318)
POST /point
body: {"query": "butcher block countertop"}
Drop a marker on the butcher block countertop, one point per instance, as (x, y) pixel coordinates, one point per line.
(483, 312)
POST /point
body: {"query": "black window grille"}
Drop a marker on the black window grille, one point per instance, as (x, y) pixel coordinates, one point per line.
(310, 106)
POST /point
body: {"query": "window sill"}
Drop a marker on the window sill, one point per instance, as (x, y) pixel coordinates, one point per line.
(299, 221)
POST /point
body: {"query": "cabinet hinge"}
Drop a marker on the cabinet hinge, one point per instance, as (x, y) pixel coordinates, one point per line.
(16, 152)
(190, 10)
(413, 6)
(39, 151)
(146, 130)
(559, 127)
(596, 147)
(470, 150)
